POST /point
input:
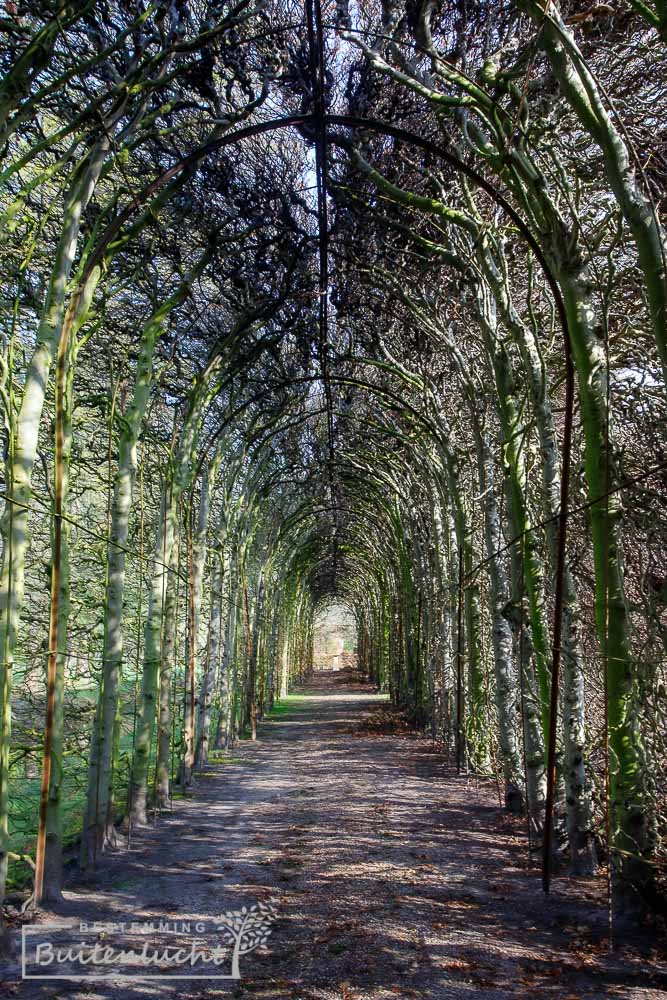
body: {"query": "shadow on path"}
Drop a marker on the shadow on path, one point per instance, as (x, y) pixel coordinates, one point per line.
(392, 877)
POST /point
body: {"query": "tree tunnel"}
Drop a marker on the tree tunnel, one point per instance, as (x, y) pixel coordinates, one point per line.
(313, 304)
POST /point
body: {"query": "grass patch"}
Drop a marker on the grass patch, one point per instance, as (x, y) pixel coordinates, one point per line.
(285, 705)
(222, 757)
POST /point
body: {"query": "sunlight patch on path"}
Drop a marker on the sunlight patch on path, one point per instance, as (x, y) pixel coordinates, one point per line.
(327, 698)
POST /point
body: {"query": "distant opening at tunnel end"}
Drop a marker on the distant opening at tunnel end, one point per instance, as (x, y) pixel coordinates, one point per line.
(334, 639)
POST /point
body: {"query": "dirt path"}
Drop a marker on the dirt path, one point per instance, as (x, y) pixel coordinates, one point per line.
(391, 876)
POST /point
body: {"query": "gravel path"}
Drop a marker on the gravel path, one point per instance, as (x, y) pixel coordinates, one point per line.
(391, 876)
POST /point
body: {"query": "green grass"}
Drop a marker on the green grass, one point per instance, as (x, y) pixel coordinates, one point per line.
(25, 791)
(285, 705)
(281, 707)
(222, 757)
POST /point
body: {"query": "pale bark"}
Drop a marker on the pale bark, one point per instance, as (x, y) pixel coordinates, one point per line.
(146, 707)
(199, 549)
(577, 790)
(177, 481)
(506, 688)
(51, 891)
(583, 93)
(97, 833)
(14, 525)
(210, 677)
(167, 667)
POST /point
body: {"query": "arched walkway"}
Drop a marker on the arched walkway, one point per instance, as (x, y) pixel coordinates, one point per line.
(309, 303)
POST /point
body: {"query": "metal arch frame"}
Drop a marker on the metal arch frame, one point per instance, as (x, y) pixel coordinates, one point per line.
(320, 122)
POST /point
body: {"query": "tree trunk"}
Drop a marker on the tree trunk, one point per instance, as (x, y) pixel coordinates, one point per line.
(212, 658)
(168, 665)
(506, 694)
(96, 831)
(146, 708)
(14, 525)
(178, 479)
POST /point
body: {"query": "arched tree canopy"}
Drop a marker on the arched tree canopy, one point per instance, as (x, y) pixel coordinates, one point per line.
(325, 303)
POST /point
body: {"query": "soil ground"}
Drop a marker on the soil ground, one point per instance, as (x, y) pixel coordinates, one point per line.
(392, 877)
